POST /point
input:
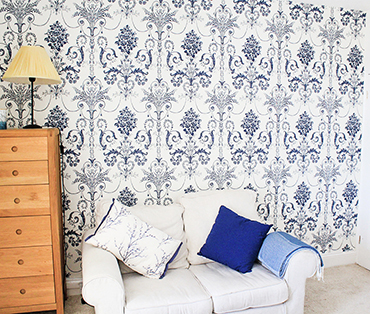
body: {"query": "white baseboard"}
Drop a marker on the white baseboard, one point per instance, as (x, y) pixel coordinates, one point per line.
(74, 286)
(338, 259)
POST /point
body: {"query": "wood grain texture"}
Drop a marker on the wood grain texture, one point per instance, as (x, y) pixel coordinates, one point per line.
(26, 261)
(23, 148)
(27, 291)
(26, 200)
(31, 229)
(25, 231)
(24, 172)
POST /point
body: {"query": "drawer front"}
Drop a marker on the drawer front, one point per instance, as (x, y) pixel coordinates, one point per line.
(27, 261)
(24, 200)
(28, 172)
(23, 148)
(26, 291)
(25, 231)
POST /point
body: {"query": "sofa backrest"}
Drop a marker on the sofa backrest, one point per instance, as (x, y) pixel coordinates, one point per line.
(201, 210)
(190, 220)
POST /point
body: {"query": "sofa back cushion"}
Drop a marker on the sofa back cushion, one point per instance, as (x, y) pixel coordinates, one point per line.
(201, 210)
(165, 218)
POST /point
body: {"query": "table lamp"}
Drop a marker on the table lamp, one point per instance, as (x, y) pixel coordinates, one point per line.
(32, 65)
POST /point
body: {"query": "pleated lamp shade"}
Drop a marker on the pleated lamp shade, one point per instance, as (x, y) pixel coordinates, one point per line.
(34, 62)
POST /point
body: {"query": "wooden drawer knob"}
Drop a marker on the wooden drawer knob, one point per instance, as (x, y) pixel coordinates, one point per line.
(18, 231)
(21, 262)
(14, 149)
(17, 200)
(22, 291)
(15, 173)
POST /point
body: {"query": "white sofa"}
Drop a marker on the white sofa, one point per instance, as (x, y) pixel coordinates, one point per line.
(194, 284)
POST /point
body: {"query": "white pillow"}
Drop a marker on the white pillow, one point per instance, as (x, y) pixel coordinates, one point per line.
(167, 218)
(143, 248)
(201, 210)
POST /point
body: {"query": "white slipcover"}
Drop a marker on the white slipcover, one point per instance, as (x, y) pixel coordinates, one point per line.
(203, 288)
(179, 292)
(258, 288)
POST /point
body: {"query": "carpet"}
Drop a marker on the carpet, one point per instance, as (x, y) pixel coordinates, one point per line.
(345, 289)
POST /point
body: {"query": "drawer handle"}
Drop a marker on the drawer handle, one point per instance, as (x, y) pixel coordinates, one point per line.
(22, 291)
(15, 173)
(17, 200)
(18, 231)
(14, 149)
(21, 262)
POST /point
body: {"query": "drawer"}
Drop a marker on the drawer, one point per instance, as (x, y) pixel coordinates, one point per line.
(24, 172)
(26, 261)
(23, 148)
(24, 200)
(25, 231)
(26, 291)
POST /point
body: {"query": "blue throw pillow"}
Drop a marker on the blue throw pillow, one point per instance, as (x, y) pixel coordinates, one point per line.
(234, 240)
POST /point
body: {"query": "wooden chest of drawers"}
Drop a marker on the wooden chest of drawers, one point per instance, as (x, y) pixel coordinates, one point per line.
(31, 245)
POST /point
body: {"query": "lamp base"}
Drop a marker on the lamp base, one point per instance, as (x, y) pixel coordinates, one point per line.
(32, 126)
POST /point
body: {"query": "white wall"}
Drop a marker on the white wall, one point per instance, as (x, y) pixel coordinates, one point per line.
(363, 249)
(363, 5)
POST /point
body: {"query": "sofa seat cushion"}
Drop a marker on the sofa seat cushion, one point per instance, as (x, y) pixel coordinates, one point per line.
(233, 291)
(179, 292)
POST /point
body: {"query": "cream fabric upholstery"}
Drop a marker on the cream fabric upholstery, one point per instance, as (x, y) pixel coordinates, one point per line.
(258, 288)
(179, 292)
(102, 280)
(203, 288)
(301, 266)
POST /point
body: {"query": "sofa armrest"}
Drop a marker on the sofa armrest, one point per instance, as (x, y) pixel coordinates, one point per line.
(102, 280)
(292, 260)
(302, 265)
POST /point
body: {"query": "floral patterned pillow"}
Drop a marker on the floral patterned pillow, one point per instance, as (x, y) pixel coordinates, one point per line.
(141, 247)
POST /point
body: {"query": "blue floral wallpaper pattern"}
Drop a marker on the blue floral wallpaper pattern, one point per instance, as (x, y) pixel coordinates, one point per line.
(161, 98)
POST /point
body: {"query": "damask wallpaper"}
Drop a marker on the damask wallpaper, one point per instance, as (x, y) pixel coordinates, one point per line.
(161, 98)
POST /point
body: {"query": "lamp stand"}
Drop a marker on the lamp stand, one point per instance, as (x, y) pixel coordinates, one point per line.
(32, 125)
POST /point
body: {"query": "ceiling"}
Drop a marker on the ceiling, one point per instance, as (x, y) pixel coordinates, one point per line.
(363, 5)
